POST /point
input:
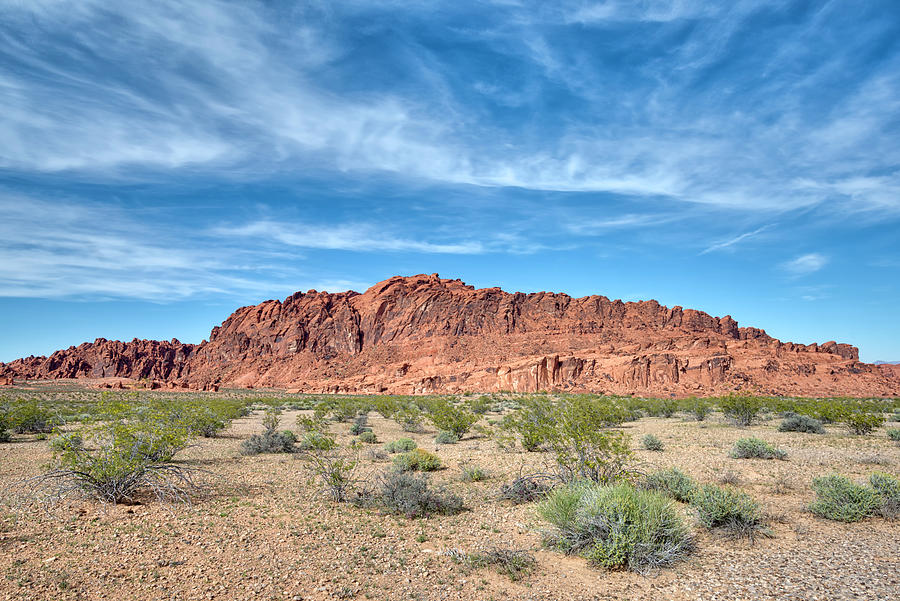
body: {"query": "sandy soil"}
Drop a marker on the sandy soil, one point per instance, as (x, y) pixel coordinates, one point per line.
(264, 531)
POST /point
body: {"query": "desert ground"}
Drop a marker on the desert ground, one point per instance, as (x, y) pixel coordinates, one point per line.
(262, 529)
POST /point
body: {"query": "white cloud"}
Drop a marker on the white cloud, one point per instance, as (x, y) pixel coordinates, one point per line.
(352, 237)
(207, 89)
(58, 249)
(724, 244)
(805, 264)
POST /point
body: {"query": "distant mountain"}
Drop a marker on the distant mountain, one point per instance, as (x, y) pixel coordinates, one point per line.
(424, 334)
(886, 363)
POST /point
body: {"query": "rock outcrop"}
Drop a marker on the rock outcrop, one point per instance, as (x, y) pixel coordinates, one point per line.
(424, 334)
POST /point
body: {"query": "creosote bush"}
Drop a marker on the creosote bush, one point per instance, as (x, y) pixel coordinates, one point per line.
(29, 417)
(400, 445)
(729, 509)
(533, 422)
(838, 498)
(316, 441)
(801, 423)
(741, 409)
(334, 470)
(698, 408)
(417, 460)
(128, 452)
(671, 482)
(862, 422)
(4, 427)
(270, 418)
(649, 442)
(409, 418)
(615, 526)
(755, 448)
(447, 417)
(584, 446)
(63, 441)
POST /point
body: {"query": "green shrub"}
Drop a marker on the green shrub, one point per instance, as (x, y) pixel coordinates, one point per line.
(671, 482)
(862, 422)
(755, 448)
(729, 509)
(472, 473)
(411, 495)
(400, 445)
(615, 526)
(699, 408)
(801, 423)
(385, 406)
(584, 447)
(270, 418)
(270, 441)
(894, 434)
(649, 442)
(311, 424)
(827, 411)
(129, 453)
(888, 489)
(368, 437)
(838, 498)
(533, 422)
(417, 460)
(61, 442)
(359, 425)
(480, 405)
(205, 421)
(334, 471)
(450, 418)
(444, 437)
(409, 418)
(29, 417)
(316, 441)
(742, 409)
(4, 427)
(668, 407)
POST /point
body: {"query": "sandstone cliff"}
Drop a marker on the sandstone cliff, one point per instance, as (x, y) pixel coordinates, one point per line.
(425, 334)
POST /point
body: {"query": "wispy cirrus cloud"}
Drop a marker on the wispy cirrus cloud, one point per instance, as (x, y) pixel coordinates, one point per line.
(358, 237)
(731, 242)
(805, 264)
(64, 249)
(249, 89)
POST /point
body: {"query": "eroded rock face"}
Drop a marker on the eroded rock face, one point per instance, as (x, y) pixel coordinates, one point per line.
(138, 359)
(424, 334)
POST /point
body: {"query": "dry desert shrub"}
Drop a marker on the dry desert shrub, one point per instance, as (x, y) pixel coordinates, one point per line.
(755, 448)
(671, 482)
(410, 495)
(516, 564)
(616, 526)
(730, 510)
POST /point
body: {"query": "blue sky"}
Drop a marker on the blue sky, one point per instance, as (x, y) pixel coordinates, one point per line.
(162, 163)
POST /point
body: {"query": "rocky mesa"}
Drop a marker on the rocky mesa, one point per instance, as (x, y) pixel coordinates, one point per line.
(424, 334)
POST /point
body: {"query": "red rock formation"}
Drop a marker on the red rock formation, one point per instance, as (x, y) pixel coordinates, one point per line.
(424, 334)
(110, 358)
